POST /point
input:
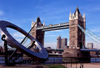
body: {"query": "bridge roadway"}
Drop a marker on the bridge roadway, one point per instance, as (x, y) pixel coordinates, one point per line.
(95, 50)
(61, 50)
(54, 27)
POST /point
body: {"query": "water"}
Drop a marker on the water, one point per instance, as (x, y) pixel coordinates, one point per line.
(54, 60)
(95, 60)
(59, 60)
(2, 60)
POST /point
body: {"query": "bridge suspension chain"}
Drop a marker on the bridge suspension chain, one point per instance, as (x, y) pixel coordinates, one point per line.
(90, 34)
(93, 34)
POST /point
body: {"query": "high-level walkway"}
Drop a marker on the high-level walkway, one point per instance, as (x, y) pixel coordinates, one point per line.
(54, 27)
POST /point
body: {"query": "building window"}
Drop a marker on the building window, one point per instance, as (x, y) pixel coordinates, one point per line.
(72, 28)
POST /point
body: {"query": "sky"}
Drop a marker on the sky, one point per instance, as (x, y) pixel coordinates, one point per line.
(22, 12)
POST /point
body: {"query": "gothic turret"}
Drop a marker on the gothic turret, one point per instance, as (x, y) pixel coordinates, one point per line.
(38, 22)
(77, 37)
(32, 23)
(84, 18)
(38, 34)
(77, 11)
(76, 15)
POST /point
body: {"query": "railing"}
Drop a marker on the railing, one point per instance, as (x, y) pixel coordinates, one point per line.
(56, 60)
(66, 60)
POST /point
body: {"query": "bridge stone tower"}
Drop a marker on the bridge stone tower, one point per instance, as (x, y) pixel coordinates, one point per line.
(77, 37)
(38, 34)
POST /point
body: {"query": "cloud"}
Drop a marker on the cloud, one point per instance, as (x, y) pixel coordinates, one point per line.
(94, 9)
(18, 35)
(19, 40)
(94, 30)
(51, 35)
(51, 44)
(1, 13)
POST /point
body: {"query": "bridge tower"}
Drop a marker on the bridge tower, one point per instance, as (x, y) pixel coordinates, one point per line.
(76, 36)
(38, 34)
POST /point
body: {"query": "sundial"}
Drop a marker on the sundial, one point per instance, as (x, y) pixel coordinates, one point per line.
(41, 55)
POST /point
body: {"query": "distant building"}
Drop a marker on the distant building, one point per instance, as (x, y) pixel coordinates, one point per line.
(90, 45)
(61, 43)
(48, 48)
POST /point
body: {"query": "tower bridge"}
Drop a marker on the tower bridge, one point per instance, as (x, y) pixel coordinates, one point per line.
(76, 36)
(77, 31)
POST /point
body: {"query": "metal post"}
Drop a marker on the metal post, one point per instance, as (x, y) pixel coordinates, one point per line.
(6, 49)
(6, 52)
(71, 62)
(54, 60)
(76, 62)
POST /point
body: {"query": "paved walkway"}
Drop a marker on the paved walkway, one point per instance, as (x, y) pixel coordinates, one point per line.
(85, 65)
(23, 66)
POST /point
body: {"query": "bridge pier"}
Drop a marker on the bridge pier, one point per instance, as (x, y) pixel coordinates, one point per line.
(76, 53)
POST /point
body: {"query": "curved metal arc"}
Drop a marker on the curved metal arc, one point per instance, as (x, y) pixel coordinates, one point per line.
(22, 42)
(14, 43)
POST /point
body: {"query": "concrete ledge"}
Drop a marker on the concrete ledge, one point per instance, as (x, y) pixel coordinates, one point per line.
(24, 66)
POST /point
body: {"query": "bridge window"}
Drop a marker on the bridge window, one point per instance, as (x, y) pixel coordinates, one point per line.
(80, 45)
(78, 54)
(73, 36)
(80, 33)
(72, 28)
(73, 43)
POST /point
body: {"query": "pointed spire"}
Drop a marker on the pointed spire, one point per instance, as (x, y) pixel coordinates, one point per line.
(77, 11)
(77, 8)
(59, 37)
(32, 23)
(38, 19)
(70, 13)
(43, 23)
(84, 15)
(84, 18)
